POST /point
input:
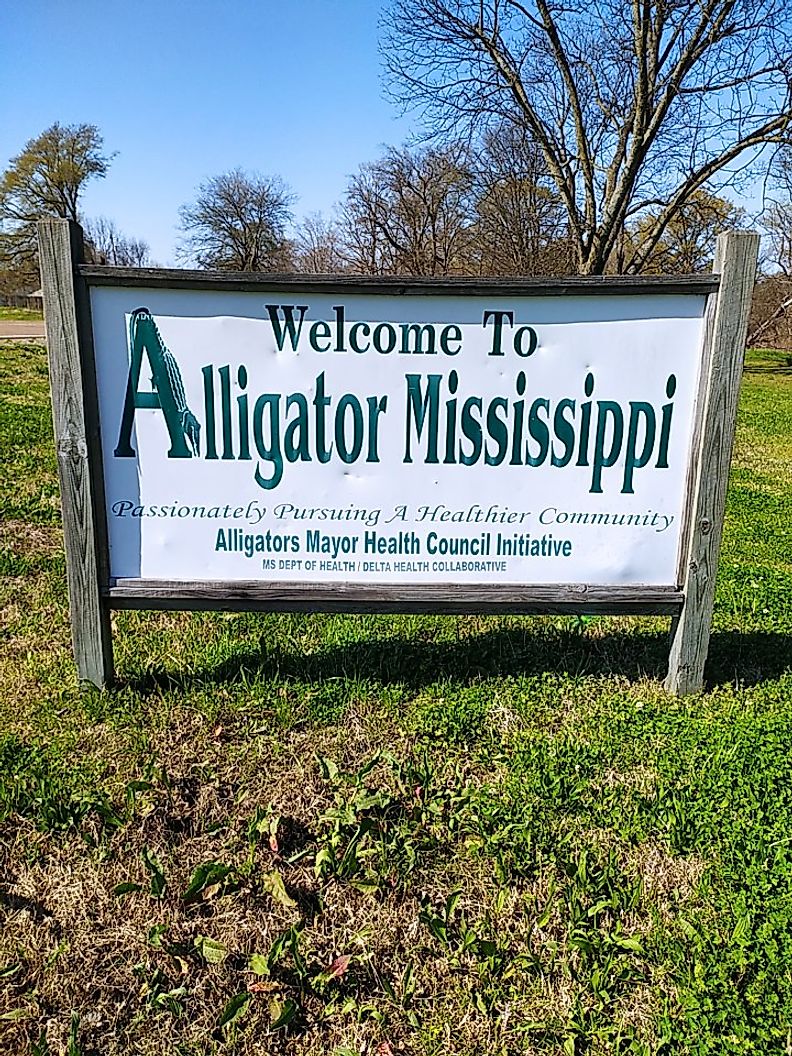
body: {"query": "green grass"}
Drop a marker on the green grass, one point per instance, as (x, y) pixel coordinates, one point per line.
(418, 835)
(18, 315)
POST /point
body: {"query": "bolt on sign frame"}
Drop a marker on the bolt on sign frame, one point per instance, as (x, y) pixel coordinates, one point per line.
(76, 296)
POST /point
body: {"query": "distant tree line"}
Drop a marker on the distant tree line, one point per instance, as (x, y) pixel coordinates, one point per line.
(484, 210)
(487, 208)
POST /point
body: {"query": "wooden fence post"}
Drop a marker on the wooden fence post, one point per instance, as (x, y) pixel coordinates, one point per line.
(726, 327)
(67, 315)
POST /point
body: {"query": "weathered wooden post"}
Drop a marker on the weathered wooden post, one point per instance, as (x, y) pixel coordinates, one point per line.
(67, 315)
(726, 327)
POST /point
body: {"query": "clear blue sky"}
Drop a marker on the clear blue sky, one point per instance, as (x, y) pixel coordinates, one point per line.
(187, 89)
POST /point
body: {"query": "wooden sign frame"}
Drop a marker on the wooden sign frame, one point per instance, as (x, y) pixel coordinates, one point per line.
(66, 283)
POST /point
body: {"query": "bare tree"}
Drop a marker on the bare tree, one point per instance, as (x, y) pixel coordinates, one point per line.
(778, 216)
(238, 223)
(317, 246)
(519, 226)
(778, 224)
(364, 216)
(771, 311)
(635, 104)
(107, 245)
(408, 213)
(688, 240)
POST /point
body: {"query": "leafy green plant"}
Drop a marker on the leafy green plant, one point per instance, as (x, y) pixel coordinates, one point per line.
(374, 837)
(157, 990)
(157, 882)
(73, 1047)
(31, 786)
(235, 1008)
(456, 717)
(208, 880)
(439, 921)
(39, 1046)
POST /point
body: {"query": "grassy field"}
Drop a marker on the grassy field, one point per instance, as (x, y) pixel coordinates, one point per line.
(17, 315)
(380, 836)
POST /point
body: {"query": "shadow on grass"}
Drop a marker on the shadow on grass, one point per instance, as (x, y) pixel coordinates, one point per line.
(748, 658)
(415, 663)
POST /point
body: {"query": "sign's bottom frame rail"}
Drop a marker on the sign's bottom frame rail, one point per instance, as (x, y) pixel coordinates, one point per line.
(480, 599)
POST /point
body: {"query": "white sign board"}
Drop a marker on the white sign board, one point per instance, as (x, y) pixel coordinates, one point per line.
(361, 438)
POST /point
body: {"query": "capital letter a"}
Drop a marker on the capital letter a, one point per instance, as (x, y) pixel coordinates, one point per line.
(143, 334)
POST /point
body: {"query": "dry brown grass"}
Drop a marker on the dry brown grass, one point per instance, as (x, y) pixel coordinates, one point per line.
(83, 949)
(31, 540)
(80, 947)
(668, 880)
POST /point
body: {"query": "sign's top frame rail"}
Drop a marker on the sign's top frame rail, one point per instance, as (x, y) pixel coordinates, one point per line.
(589, 285)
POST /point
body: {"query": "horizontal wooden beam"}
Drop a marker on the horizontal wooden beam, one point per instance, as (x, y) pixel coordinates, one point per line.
(576, 599)
(175, 278)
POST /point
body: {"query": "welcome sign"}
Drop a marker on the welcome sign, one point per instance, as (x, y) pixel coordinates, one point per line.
(421, 439)
(232, 441)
